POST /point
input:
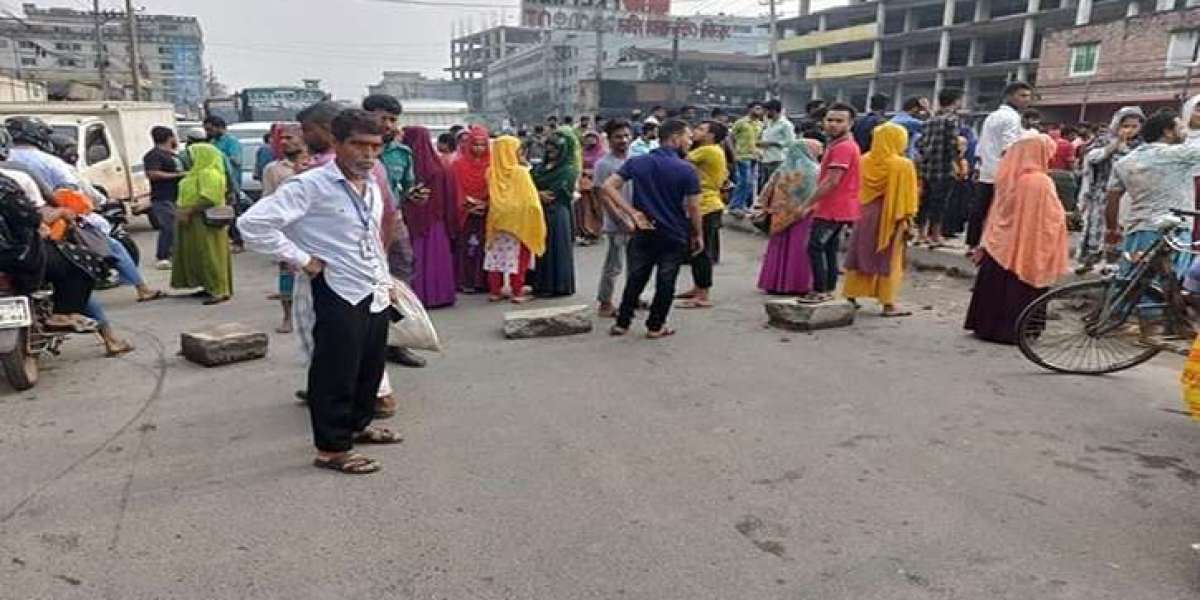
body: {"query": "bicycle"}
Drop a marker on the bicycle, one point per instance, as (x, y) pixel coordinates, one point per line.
(1117, 322)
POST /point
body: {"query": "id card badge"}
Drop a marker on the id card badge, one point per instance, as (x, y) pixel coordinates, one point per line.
(366, 249)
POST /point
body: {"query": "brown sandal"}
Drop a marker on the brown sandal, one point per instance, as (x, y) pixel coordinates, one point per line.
(349, 463)
(661, 333)
(377, 435)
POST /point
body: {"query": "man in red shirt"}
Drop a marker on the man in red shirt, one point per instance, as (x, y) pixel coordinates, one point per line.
(836, 203)
(1064, 156)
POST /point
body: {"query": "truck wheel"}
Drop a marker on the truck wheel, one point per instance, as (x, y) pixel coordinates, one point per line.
(20, 366)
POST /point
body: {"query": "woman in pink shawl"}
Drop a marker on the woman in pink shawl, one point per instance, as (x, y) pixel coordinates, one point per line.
(432, 224)
(589, 215)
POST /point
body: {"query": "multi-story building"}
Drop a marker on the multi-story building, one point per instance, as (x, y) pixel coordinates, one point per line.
(471, 54)
(58, 46)
(1089, 71)
(548, 74)
(917, 47)
(411, 85)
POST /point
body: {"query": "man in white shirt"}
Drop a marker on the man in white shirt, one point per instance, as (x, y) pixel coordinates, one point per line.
(999, 131)
(327, 223)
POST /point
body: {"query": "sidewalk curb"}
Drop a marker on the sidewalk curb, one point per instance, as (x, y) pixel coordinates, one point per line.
(950, 262)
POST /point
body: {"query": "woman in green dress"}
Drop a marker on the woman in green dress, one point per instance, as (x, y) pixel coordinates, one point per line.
(555, 178)
(202, 257)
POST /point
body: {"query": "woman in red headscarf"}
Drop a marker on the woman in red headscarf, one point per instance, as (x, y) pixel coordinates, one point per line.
(470, 168)
(433, 223)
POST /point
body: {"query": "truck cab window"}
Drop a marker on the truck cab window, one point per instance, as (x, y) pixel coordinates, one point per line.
(96, 143)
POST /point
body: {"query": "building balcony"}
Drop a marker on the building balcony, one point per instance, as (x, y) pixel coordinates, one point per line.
(851, 68)
(821, 39)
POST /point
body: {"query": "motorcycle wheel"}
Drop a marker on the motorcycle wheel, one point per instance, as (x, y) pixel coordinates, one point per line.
(132, 248)
(21, 366)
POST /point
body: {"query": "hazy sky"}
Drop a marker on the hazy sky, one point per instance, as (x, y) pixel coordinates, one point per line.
(345, 43)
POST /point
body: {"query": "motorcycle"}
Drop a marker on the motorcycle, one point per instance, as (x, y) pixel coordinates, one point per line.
(24, 337)
(115, 213)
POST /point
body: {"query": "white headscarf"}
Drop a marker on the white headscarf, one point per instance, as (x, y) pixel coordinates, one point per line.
(1189, 107)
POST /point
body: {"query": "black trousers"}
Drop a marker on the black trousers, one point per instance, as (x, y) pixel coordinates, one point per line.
(349, 356)
(164, 214)
(647, 251)
(984, 192)
(823, 245)
(702, 264)
(72, 286)
(935, 202)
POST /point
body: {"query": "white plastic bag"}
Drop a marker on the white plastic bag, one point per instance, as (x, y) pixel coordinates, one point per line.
(415, 330)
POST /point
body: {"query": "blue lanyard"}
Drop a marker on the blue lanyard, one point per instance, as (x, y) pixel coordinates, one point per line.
(364, 218)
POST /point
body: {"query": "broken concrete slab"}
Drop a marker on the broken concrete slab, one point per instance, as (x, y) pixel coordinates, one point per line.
(223, 344)
(548, 322)
(789, 313)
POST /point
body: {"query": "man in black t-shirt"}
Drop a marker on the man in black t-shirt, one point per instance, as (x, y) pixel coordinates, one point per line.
(164, 171)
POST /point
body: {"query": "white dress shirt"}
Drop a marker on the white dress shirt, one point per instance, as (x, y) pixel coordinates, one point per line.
(318, 213)
(999, 131)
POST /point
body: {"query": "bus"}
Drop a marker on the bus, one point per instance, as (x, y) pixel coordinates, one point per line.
(264, 104)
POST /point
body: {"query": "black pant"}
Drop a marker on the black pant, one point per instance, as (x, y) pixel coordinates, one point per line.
(823, 253)
(935, 202)
(765, 171)
(649, 250)
(702, 264)
(72, 285)
(349, 352)
(164, 215)
(984, 192)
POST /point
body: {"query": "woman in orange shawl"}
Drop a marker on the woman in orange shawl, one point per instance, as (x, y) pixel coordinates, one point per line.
(470, 168)
(516, 227)
(875, 261)
(1024, 243)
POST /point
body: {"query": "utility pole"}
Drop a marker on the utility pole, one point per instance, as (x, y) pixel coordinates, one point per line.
(135, 55)
(100, 59)
(599, 64)
(674, 61)
(773, 76)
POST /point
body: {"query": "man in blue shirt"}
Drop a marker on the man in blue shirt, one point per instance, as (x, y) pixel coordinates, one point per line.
(214, 127)
(665, 218)
(912, 118)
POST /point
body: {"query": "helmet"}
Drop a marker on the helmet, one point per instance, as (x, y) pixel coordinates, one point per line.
(65, 147)
(32, 131)
(5, 143)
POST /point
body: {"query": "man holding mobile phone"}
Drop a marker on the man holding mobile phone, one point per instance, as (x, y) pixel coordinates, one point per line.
(666, 221)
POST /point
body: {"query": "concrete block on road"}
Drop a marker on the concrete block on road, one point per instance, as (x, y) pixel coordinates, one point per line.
(548, 322)
(788, 313)
(223, 344)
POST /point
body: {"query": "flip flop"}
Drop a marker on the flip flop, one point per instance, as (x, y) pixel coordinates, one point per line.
(685, 296)
(616, 331)
(661, 333)
(377, 435)
(896, 313)
(350, 463)
(157, 295)
(694, 304)
(122, 348)
(216, 300)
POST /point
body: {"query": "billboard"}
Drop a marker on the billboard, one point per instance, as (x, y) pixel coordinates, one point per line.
(635, 18)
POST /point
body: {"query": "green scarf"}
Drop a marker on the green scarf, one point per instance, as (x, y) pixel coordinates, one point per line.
(204, 185)
(561, 175)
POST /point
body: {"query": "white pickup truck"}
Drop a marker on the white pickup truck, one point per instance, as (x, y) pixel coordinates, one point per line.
(112, 137)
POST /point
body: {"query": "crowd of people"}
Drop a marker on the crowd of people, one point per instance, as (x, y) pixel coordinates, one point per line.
(355, 205)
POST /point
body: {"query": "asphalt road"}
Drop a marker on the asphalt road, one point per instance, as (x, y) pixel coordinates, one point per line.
(896, 459)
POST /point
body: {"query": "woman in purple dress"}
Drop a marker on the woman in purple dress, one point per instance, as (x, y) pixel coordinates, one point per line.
(432, 224)
(787, 197)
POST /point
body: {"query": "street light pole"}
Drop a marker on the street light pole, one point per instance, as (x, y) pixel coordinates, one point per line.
(135, 56)
(773, 80)
(100, 60)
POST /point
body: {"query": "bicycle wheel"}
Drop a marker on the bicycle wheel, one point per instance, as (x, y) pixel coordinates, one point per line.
(1059, 331)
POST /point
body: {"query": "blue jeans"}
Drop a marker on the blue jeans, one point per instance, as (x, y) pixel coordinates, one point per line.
(94, 310)
(128, 271)
(743, 194)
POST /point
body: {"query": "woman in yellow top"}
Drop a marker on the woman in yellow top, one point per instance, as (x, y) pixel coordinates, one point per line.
(875, 261)
(202, 257)
(515, 232)
(708, 156)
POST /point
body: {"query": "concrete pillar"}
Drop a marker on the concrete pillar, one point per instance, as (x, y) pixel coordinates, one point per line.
(983, 10)
(908, 20)
(943, 60)
(1028, 35)
(969, 92)
(805, 7)
(822, 22)
(904, 59)
(939, 81)
(1083, 12)
(816, 91)
(872, 89)
(898, 96)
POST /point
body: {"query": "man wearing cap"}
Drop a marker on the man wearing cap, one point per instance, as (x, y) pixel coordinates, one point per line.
(648, 140)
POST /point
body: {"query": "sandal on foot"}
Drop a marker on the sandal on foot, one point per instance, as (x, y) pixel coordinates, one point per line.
(350, 463)
(896, 313)
(521, 299)
(693, 303)
(118, 349)
(661, 333)
(155, 295)
(75, 324)
(377, 435)
(617, 330)
(810, 299)
(216, 300)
